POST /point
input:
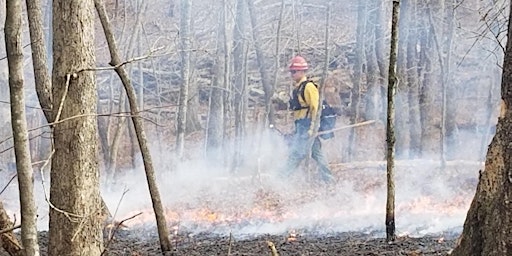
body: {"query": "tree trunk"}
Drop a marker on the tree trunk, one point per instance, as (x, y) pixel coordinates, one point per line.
(358, 76)
(75, 225)
(372, 97)
(412, 82)
(403, 136)
(163, 230)
(120, 126)
(390, 129)
(430, 135)
(452, 141)
(215, 136)
(265, 78)
(239, 45)
(488, 225)
(185, 75)
(39, 57)
(19, 128)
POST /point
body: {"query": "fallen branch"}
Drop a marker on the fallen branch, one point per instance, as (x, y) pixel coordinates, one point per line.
(119, 224)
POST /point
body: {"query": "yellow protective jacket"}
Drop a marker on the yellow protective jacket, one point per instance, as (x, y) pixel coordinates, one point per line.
(311, 99)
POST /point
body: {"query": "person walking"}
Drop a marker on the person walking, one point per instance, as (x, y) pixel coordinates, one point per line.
(305, 102)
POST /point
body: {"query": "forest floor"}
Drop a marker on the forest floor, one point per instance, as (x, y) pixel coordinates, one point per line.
(344, 219)
(131, 243)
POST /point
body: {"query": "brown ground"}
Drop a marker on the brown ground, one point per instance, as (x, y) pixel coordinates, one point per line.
(132, 243)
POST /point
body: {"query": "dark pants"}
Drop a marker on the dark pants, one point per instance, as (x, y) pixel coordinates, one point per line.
(299, 151)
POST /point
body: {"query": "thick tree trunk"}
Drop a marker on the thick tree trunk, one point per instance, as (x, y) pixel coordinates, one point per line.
(488, 226)
(19, 128)
(75, 222)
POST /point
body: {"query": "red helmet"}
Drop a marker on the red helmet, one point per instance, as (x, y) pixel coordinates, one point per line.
(298, 63)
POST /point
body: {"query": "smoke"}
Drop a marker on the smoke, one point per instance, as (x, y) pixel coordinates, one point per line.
(201, 197)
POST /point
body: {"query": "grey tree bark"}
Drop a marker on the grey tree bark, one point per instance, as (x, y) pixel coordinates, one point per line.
(430, 133)
(39, 57)
(390, 126)
(403, 132)
(265, 77)
(452, 141)
(19, 127)
(215, 130)
(412, 82)
(163, 230)
(357, 77)
(240, 74)
(75, 213)
(185, 75)
(488, 225)
(373, 75)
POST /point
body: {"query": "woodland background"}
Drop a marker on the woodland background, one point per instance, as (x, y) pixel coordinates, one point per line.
(449, 68)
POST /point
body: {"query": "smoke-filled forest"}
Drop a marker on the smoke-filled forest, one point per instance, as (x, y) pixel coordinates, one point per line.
(169, 120)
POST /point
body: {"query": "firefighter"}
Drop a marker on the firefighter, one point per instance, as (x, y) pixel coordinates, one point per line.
(305, 106)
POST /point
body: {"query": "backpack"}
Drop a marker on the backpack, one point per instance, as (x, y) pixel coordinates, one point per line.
(327, 116)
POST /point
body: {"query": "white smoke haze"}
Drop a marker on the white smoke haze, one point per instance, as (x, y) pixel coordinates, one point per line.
(202, 198)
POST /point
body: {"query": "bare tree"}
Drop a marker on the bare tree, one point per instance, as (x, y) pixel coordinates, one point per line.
(411, 77)
(19, 128)
(489, 219)
(215, 128)
(373, 77)
(358, 76)
(163, 230)
(75, 212)
(39, 57)
(390, 132)
(185, 74)
(240, 94)
(265, 77)
(430, 135)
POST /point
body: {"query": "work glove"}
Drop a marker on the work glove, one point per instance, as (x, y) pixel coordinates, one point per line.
(310, 132)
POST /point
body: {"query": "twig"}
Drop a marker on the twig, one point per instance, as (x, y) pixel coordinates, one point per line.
(230, 243)
(113, 67)
(116, 228)
(3, 231)
(67, 214)
(272, 248)
(14, 176)
(110, 233)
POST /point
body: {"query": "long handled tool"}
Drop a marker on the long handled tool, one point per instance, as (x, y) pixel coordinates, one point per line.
(273, 127)
(347, 126)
